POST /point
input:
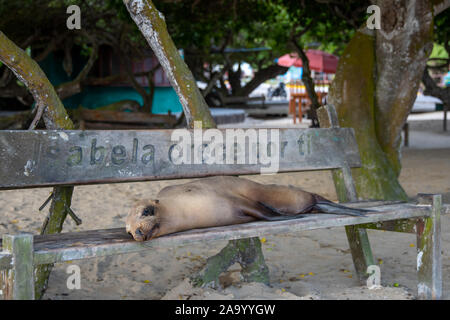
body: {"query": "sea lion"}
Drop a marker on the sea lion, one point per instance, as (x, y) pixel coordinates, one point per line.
(220, 201)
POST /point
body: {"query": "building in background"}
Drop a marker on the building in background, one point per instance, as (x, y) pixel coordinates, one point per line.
(108, 64)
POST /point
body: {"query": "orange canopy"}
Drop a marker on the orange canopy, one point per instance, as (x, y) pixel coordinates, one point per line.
(318, 61)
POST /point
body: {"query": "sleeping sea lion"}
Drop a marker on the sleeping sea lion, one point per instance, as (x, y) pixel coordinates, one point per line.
(220, 201)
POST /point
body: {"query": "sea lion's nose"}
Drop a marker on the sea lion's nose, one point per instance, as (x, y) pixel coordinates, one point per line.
(139, 232)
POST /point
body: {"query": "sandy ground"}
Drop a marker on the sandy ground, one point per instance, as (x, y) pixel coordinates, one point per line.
(309, 265)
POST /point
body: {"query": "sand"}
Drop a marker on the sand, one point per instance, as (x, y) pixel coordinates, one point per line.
(314, 264)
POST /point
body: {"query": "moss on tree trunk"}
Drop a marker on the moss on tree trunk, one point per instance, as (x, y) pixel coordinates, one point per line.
(374, 90)
(246, 252)
(62, 199)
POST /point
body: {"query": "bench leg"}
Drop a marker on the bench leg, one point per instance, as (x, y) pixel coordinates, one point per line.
(251, 259)
(429, 257)
(247, 252)
(17, 283)
(361, 252)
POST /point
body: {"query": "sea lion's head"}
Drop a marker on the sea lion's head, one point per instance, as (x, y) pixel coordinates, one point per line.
(143, 220)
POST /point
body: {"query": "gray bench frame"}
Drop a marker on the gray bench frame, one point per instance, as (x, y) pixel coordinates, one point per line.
(22, 252)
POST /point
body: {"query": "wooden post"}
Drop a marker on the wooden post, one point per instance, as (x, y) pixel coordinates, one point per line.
(357, 237)
(300, 112)
(429, 257)
(293, 107)
(18, 282)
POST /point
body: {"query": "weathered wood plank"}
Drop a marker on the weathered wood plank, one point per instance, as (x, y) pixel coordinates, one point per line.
(48, 158)
(401, 225)
(89, 244)
(17, 283)
(429, 256)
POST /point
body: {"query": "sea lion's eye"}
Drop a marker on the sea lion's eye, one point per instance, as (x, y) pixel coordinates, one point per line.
(149, 211)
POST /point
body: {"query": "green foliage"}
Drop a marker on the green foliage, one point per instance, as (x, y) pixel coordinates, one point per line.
(442, 28)
(439, 52)
(203, 28)
(39, 22)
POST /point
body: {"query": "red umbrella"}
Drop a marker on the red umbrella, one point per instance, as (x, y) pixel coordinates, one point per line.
(318, 61)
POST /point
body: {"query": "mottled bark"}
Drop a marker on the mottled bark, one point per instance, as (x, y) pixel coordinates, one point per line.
(352, 92)
(55, 117)
(403, 45)
(375, 87)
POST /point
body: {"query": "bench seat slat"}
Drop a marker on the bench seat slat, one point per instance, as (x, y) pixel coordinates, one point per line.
(96, 243)
(42, 158)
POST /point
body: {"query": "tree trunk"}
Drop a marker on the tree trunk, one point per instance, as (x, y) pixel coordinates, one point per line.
(260, 77)
(403, 45)
(375, 87)
(55, 117)
(309, 83)
(150, 21)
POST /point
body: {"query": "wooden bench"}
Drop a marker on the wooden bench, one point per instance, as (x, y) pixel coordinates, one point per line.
(47, 158)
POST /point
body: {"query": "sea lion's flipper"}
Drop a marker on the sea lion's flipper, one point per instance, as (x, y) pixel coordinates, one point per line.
(334, 208)
(262, 211)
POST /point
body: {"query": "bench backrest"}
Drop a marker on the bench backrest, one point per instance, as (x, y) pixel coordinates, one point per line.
(43, 158)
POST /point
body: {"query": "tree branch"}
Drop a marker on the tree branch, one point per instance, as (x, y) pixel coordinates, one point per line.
(441, 7)
(73, 87)
(29, 73)
(37, 117)
(307, 80)
(260, 76)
